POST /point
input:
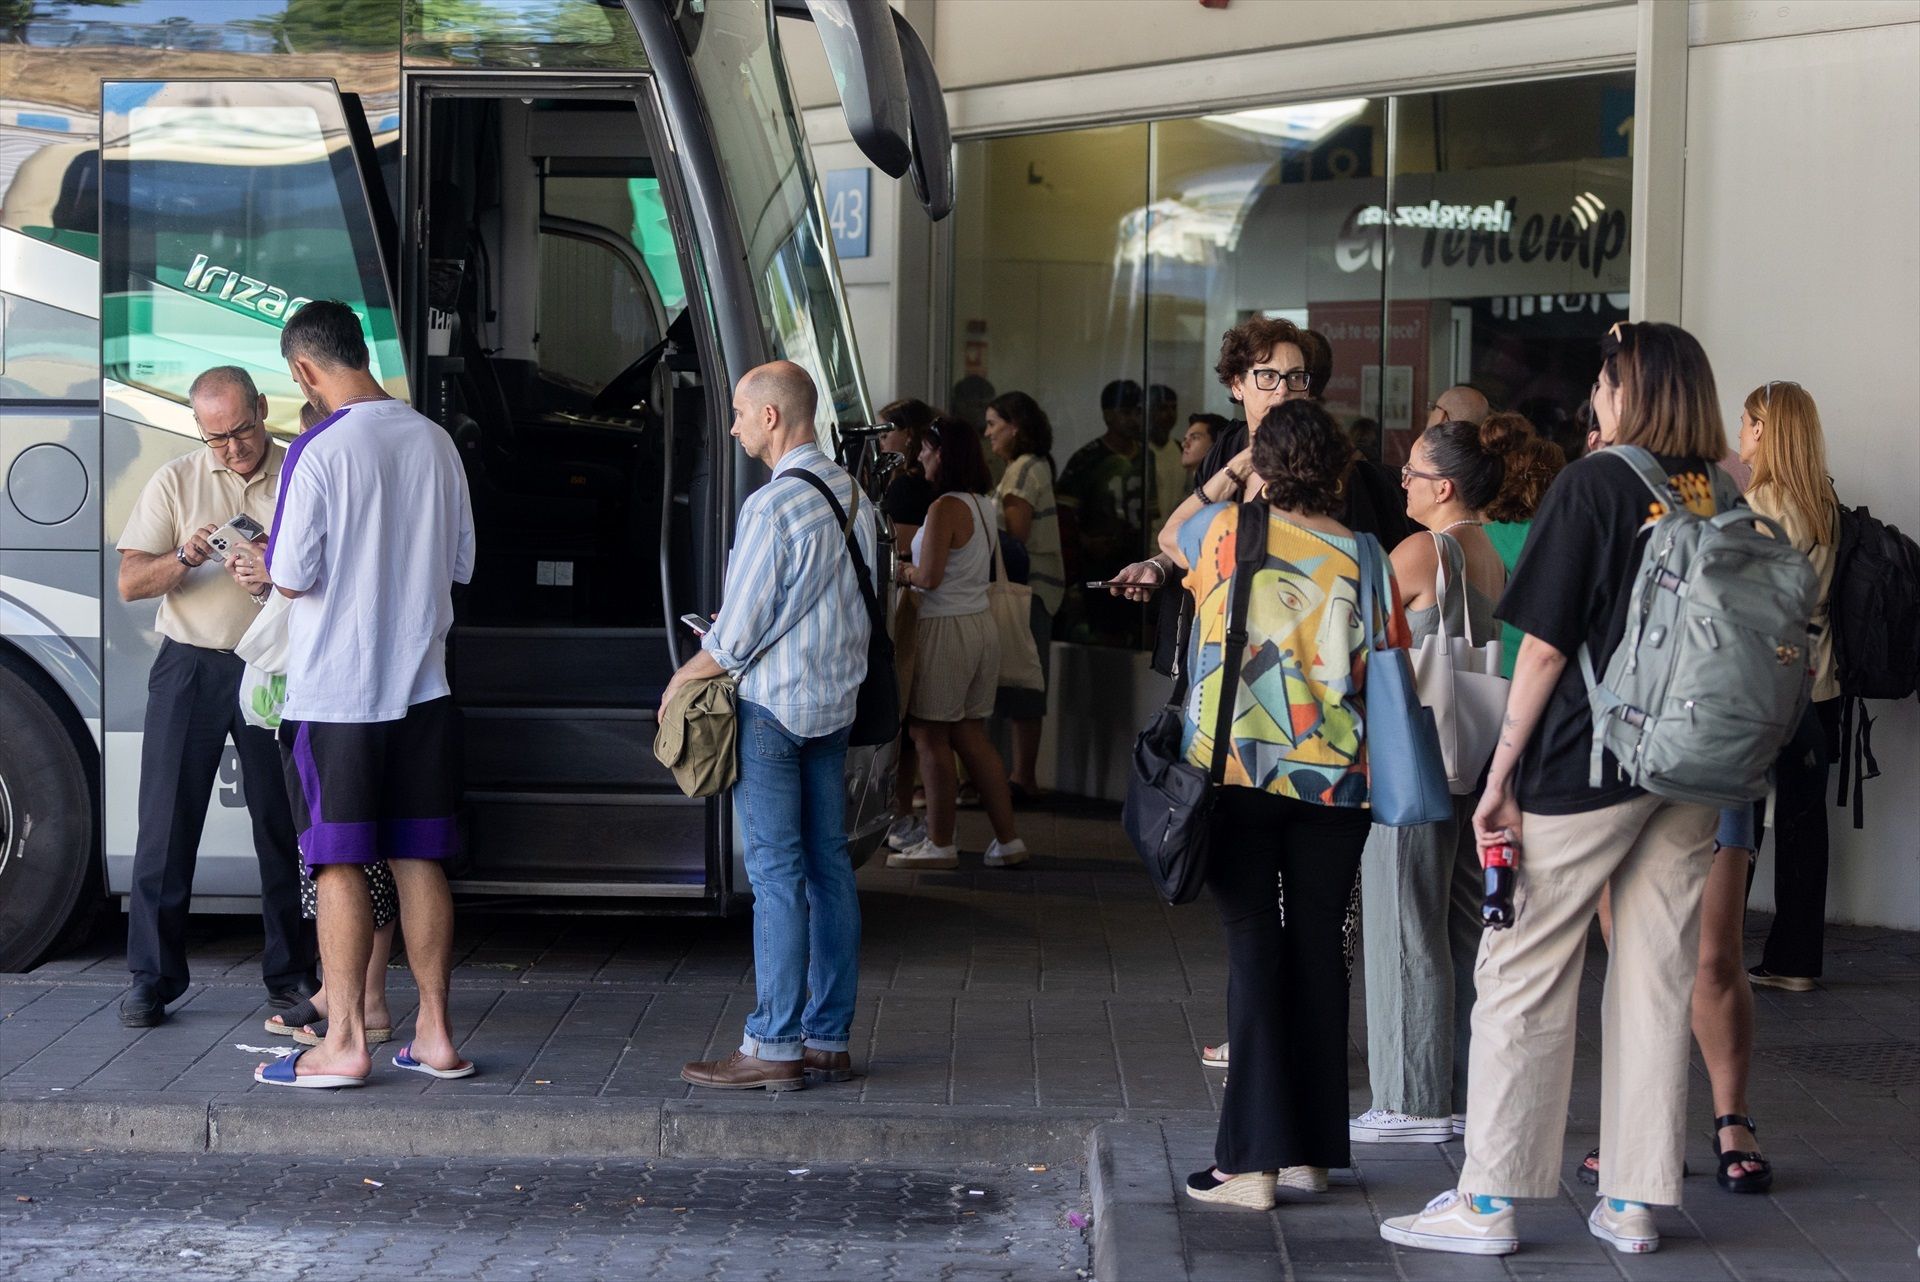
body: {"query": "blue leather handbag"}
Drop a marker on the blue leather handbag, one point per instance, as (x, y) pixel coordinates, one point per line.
(1408, 773)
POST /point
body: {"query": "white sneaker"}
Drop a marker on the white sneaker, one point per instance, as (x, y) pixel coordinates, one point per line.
(925, 855)
(906, 832)
(1459, 1126)
(1449, 1223)
(1384, 1126)
(1302, 1179)
(1629, 1229)
(1006, 854)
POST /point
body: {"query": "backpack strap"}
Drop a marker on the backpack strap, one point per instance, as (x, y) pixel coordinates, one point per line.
(1601, 703)
(1648, 469)
(1249, 554)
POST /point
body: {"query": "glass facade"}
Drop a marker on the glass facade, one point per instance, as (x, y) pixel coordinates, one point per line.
(1469, 236)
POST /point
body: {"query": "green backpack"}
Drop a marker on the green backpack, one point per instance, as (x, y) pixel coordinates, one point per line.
(1711, 676)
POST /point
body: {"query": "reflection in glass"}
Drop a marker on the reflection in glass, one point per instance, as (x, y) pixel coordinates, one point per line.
(755, 128)
(1509, 247)
(520, 33)
(227, 207)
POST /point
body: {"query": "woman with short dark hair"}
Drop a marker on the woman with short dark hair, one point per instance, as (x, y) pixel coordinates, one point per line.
(1293, 812)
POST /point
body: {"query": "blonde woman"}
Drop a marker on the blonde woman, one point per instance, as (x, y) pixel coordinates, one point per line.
(1781, 440)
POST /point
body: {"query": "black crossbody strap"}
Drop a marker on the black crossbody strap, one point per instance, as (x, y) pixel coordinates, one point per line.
(845, 522)
(1249, 552)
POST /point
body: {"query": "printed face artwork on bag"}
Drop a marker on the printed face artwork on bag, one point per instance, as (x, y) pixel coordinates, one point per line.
(1298, 728)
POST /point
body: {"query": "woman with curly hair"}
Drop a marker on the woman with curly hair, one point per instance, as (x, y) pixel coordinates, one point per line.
(1293, 813)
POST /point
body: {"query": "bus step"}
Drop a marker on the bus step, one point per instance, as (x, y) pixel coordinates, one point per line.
(517, 747)
(558, 667)
(577, 834)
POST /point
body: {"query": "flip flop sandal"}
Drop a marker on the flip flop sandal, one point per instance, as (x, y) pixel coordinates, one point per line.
(316, 1032)
(282, 1073)
(289, 1022)
(404, 1059)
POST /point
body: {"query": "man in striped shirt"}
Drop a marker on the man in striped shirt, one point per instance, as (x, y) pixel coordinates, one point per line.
(794, 634)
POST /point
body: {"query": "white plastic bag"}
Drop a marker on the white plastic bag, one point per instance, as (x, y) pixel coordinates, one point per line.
(263, 686)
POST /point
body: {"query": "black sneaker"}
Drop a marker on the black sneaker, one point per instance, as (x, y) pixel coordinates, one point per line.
(142, 1007)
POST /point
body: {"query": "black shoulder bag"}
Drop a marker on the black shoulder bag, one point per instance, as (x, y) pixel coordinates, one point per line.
(876, 714)
(1168, 812)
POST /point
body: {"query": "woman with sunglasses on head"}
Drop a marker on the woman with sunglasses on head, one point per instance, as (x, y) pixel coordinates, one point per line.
(956, 667)
(1781, 440)
(1655, 390)
(1421, 886)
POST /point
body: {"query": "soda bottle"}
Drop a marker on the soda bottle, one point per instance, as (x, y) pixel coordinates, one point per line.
(1501, 864)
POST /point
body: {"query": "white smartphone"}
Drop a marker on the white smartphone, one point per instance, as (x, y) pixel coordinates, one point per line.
(237, 535)
(700, 624)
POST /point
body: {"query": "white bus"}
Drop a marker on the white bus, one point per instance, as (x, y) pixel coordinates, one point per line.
(569, 226)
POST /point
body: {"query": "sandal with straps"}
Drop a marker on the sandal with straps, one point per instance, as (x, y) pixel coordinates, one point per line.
(1759, 1181)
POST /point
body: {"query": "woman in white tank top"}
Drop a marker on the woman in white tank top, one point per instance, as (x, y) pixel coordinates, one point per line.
(956, 667)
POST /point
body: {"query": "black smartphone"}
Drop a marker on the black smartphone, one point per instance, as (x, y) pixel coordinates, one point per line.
(700, 624)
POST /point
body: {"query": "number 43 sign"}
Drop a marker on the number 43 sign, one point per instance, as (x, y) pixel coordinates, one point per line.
(847, 191)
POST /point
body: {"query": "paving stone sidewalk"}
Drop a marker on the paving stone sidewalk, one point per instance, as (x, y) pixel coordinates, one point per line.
(1046, 1000)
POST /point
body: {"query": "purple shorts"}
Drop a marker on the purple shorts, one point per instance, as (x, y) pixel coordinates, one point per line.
(373, 790)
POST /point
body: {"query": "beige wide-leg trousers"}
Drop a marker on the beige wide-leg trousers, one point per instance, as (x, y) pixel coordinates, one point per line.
(1657, 854)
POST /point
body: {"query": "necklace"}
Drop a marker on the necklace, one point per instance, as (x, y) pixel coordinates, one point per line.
(355, 400)
(1457, 524)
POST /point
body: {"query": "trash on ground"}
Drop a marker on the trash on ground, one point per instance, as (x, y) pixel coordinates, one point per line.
(976, 1192)
(1078, 1220)
(1036, 1167)
(276, 1051)
(21, 1197)
(542, 1081)
(801, 1170)
(373, 1184)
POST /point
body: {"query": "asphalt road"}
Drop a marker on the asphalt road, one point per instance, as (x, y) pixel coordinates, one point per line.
(97, 1215)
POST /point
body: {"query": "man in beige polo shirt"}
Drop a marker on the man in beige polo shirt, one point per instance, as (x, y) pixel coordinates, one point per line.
(193, 700)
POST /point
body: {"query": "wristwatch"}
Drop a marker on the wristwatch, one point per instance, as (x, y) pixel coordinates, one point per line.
(180, 555)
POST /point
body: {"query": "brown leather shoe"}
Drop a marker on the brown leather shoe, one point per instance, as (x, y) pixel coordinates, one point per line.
(743, 1072)
(827, 1066)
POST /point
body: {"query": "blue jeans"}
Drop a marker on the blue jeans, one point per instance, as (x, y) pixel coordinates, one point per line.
(792, 803)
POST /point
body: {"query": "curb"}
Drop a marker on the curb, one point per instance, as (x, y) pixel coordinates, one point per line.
(506, 1127)
(1136, 1221)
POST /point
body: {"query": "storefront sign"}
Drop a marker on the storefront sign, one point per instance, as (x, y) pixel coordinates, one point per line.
(1587, 232)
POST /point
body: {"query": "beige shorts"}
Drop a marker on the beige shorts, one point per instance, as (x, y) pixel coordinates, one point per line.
(956, 668)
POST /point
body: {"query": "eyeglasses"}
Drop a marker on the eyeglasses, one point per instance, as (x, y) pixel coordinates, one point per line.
(1766, 397)
(240, 433)
(1408, 472)
(1268, 379)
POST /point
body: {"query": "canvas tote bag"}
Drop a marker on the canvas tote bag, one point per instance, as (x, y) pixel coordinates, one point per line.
(1011, 605)
(1459, 678)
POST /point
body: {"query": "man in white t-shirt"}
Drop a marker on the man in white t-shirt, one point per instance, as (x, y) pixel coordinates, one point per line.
(373, 529)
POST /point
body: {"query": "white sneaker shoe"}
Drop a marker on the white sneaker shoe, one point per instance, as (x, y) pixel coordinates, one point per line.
(1449, 1223)
(1629, 1229)
(1302, 1179)
(1459, 1126)
(1384, 1126)
(906, 832)
(1006, 854)
(925, 855)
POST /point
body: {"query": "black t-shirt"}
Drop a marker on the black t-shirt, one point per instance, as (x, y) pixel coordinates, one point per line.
(1569, 589)
(907, 499)
(1375, 505)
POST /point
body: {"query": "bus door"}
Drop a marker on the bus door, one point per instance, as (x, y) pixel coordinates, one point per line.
(555, 311)
(225, 207)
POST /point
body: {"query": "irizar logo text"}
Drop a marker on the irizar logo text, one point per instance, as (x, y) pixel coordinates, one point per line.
(242, 291)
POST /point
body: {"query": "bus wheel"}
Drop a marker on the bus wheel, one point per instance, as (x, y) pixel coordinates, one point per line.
(48, 837)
